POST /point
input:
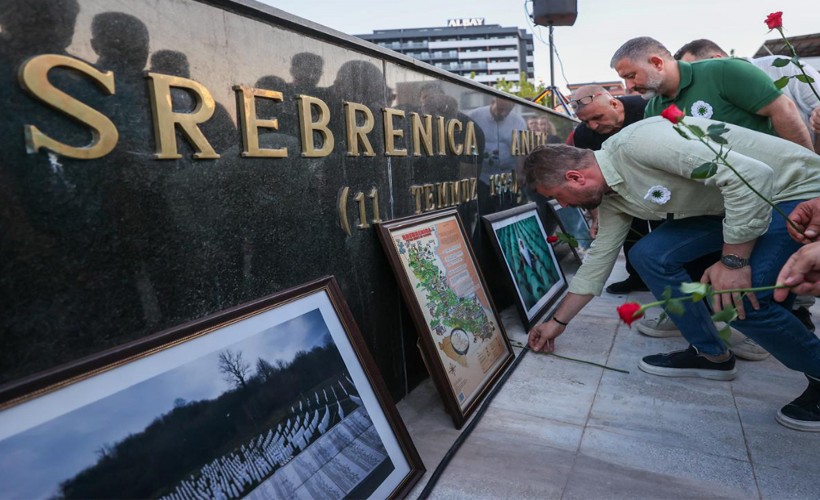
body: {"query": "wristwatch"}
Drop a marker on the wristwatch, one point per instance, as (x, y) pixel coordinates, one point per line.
(733, 261)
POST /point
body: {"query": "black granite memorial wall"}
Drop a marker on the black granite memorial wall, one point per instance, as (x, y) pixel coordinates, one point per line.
(161, 161)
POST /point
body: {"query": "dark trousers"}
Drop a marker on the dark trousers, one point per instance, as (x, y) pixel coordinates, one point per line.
(641, 228)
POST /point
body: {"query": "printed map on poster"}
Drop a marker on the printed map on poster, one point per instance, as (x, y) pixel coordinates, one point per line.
(456, 309)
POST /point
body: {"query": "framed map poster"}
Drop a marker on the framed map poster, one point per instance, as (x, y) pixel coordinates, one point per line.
(277, 398)
(520, 241)
(462, 339)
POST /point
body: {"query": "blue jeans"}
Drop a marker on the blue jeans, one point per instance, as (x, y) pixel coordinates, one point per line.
(660, 256)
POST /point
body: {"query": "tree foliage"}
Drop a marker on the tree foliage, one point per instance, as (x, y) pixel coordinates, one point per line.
(523, 88)
(233, 368)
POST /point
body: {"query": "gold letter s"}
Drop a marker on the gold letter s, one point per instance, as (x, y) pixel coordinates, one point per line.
(34, 78)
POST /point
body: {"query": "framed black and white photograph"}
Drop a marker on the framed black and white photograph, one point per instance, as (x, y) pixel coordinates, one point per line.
(278, 398)
(520, 241)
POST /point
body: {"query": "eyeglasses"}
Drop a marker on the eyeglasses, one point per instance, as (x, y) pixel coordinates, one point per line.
(583, 101)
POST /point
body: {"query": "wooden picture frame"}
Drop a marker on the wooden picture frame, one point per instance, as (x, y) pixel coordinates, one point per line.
(277, 398)
(461, 336)
(533, 269)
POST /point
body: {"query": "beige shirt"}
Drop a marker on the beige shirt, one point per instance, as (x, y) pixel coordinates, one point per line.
(650, 153)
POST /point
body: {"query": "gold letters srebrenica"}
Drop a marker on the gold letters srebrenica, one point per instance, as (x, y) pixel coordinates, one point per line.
(429, 135)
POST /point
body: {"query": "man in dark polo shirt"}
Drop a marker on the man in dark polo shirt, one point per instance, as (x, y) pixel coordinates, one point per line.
(603, 116)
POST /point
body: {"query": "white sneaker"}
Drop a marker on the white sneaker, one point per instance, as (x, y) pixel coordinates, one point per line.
(749, 350)
(661, 326)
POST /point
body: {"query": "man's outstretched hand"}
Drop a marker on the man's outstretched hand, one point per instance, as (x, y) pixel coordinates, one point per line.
(542, 336)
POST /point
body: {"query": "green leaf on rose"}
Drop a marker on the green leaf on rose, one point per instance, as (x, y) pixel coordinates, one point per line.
(718, 138)
(697, 131)
(727, 315)
(704, 171)
(804, 78)
(674, 307)
(716, 129)
(666, 295)
(697, 290)
(682, 133)
(781, 82)
(568, 239)
(779, 63)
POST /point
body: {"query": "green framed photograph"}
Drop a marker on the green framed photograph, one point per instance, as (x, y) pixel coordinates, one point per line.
(520, 241)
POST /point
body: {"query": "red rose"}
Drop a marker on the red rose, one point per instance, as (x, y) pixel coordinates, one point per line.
(774, 20)
(552, 239)
(673, 114)
(629, 312)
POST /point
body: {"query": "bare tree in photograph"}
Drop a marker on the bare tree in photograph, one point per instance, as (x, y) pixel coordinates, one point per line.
(265, 370)
(234, 369)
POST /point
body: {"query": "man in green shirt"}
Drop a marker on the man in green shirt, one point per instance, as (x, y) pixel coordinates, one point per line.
(645, 171)
(728, 90)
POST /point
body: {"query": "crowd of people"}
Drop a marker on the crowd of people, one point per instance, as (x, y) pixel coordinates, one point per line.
(632, 169)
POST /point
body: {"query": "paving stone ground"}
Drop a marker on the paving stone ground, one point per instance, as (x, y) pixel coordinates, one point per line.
(566, 430)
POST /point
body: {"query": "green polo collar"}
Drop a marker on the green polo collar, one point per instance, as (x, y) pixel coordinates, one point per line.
(685, 70)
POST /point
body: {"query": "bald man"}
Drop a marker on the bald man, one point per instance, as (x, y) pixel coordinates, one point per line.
(602, 116)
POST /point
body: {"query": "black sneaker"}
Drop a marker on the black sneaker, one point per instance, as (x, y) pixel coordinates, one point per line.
(804, 315)
(803, 414)
(688, 363)
(628, 285)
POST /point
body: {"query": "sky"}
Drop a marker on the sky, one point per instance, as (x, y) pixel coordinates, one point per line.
(601, 27)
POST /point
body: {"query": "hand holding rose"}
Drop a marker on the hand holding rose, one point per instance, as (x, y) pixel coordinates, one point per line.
(801, 272)
(806, 216)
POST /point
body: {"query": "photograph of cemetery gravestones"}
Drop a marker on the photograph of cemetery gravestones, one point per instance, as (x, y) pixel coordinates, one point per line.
(273, 416)
(530, 260)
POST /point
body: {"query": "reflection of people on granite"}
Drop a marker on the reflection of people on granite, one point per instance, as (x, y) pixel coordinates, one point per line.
(132, 192)
(284, 111)
(220, 129)
(47, 213)
(434, 102)
(20, 39)
(201, 206)
(543, 125)
(498, 122)
(306, 70)
(361, 82)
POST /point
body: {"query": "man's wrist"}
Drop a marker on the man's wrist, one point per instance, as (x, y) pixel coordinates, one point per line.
(733, 261)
